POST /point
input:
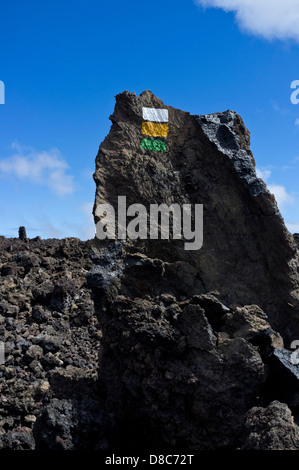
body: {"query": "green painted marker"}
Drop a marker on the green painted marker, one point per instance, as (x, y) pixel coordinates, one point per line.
(153, 144)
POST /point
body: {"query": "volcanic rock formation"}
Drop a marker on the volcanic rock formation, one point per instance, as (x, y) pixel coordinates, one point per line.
(248, 255)
(192, 339)
(141, 344)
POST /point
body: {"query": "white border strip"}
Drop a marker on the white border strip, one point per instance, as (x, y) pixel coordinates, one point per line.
(155, 114)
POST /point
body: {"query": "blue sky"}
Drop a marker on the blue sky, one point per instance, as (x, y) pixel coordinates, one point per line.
(62, 63)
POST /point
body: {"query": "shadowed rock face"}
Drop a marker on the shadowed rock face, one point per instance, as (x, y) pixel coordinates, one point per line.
(248, 255)
(191, 374)
(192, 339)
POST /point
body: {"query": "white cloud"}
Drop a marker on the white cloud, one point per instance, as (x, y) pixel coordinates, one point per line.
(263, 173)
(282, 197)
(271, 19)
(297, 122)
(45, 167)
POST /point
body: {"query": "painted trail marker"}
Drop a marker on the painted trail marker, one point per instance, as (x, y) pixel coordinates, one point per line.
(155, 129)
(154, 125)
(153, 144)
(155, 114)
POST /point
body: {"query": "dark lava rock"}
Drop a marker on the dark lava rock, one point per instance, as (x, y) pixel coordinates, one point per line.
(285, 377)
(271, 428)
(22, 233)
(248, 255)
(140, 344)
(170, 381)
(189, 337)
(37, 410)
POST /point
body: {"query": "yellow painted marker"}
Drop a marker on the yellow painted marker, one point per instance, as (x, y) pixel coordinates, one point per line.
(155, 129)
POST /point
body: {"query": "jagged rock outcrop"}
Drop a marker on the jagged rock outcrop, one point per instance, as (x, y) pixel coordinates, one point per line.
(190, 337)
(173, 381)
(248, 255)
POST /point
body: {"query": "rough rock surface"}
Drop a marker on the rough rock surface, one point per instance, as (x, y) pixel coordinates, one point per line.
(120, 345)
(50, 394)
(171, 380)
(248, 255)
(190, 337)
(173, 373)
(271, 428)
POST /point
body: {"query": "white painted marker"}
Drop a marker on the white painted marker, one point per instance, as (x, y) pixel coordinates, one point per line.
(155, 114)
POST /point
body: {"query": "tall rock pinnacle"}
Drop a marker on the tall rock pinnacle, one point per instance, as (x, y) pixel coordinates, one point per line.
(248, 256)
